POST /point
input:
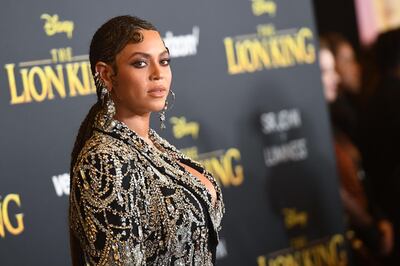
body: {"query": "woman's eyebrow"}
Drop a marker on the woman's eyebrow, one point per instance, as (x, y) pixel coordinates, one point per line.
(164, 53)
(139, 53)
(146, 54)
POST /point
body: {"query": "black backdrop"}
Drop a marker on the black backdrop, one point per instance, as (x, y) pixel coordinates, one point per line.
(249, 106)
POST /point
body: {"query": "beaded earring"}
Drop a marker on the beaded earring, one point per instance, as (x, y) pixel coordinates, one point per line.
(162, 112)
(105, 97)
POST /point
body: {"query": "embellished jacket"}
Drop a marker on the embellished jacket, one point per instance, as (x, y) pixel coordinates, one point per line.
(134, 204)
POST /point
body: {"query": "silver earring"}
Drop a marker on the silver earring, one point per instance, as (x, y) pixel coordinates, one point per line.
(110, 106)
(162, 117)
(162, 112)
(100, 86)
(107, 102)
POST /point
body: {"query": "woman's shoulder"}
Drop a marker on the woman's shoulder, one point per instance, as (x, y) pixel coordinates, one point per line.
(102, 148)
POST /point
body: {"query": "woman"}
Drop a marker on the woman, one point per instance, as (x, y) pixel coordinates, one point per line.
(329, 76)
(346, 108)
(381, 128)
(135, 199)
(373, 231)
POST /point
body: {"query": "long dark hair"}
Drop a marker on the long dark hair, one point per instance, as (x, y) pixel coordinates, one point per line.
(106, 43)
(386, 52)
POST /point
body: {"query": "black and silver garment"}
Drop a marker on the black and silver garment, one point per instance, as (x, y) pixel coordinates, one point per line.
(134, 204)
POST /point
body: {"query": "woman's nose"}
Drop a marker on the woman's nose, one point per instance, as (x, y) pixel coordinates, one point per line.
(156, 72)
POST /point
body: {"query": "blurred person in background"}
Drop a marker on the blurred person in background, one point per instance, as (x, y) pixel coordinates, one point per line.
(380, 130)
(346, 108)
(372, 236)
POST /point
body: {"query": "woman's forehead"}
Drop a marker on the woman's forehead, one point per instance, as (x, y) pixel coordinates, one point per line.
(151, 44)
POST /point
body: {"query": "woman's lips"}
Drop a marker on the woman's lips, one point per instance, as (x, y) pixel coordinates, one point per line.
(157, 92)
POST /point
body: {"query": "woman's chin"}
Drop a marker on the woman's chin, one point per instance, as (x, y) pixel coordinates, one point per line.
(158, 107)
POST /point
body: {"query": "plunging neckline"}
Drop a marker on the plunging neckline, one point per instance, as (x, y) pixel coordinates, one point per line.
(187, 168)
(212, 191)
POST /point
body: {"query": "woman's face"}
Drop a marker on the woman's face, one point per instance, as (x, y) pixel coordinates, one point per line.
(348, 68)
(330, 78)
(143, 77)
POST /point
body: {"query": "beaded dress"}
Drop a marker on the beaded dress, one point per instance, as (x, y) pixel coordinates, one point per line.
(132, 203)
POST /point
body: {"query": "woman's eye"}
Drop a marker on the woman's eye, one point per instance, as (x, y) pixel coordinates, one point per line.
(139, 64)
(165, 62)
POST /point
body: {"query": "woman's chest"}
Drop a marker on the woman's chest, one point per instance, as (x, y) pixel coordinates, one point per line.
(175, 201)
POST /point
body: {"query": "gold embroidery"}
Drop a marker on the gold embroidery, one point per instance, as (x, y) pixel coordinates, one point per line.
(133, 204)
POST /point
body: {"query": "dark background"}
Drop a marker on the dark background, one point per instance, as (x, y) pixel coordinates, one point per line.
(37, 137)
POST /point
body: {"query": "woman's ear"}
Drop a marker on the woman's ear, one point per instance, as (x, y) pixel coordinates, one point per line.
(106, 73)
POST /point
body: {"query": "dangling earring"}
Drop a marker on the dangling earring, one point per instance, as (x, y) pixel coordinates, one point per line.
(162, 112)
(107, 102)
(162, 116)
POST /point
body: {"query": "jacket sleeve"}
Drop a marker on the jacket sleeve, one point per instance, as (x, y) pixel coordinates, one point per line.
(106, 209)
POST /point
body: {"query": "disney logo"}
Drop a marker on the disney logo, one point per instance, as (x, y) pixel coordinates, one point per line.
(183, 128)
(53, 25)
(260, 7)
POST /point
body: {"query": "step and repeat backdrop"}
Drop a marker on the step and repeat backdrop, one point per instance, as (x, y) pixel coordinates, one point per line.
(249, 105)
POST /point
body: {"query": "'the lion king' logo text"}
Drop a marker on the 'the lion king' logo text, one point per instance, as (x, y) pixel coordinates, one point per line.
(6, 223)
(269, 49)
